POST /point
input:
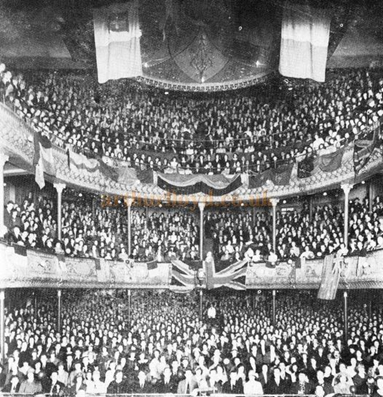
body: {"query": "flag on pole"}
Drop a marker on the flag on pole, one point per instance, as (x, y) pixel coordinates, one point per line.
(117, 37)
(304, 42)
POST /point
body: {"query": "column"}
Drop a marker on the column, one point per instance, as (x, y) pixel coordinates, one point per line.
(274, 306)
(345, 295)
(3, 159)
(371, 195)
(200, 303)
(59, 188)
(59, 310)
(310, 208)
(346, 189)
(274, 203)
(128, 203)
(129, 303)
(2, 324)
(201, 206)
(35, 302)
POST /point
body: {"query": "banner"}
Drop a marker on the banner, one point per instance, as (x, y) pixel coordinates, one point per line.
(43, 158)
(117, 38)
(330, 277)
(215, 185)
(304, 42)
(329, 162)
(365, 145)
(279, 176)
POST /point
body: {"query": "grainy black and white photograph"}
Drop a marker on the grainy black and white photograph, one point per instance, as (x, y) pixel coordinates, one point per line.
(191, 198)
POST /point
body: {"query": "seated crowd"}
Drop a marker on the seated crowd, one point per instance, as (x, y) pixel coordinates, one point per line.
(160, 345)
(95, 232)
(245, 130)
(90, 231)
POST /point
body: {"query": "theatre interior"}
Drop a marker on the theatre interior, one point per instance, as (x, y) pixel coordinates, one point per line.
(191, 197)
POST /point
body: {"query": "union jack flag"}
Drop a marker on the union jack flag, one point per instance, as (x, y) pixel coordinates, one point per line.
(232, 276)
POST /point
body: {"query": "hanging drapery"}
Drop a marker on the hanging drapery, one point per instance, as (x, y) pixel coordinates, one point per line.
(304, 42)
(117, 38)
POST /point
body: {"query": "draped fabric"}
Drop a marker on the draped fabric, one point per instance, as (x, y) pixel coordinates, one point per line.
(365, 145)
(81, 162)
(329, 162)
(145, 176)
(117, 38)
(43, 158)
(330, 278)
(304, 42)
(279, 176)
(216, 185)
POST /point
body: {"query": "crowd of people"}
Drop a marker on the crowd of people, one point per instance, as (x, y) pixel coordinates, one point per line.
(240, 131)
(161, 344)
(90, 230)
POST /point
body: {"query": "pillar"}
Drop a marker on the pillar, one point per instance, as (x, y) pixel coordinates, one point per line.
(201, 206)
(311, 208)
(3, 159)
(59, 310)
(129, 303)
(346, 189)
(274, 306)
(2, 325)
(200, 303)
(345, 295)
(371, 195)
(59, 188)
(128, 203)
(35, 302)
(274, 203)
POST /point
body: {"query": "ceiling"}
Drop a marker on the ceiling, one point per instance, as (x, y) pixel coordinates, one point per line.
(241, 38)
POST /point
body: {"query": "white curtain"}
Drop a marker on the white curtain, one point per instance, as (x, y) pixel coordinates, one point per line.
(304, 42)
(118, 51)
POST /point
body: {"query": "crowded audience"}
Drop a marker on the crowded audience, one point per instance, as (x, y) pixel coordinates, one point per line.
(245, 130)
(90, 230)
(160, 344)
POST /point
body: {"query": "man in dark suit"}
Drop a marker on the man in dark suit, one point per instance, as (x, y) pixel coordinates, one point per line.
(187, 385)
(302, 385)
(321, 381)
(167, 383)
(276, 384)
(53, 386)
(234, 385)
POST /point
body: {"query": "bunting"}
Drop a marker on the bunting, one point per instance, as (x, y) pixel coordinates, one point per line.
(279, 176)
(215, 185)
(364, 146)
